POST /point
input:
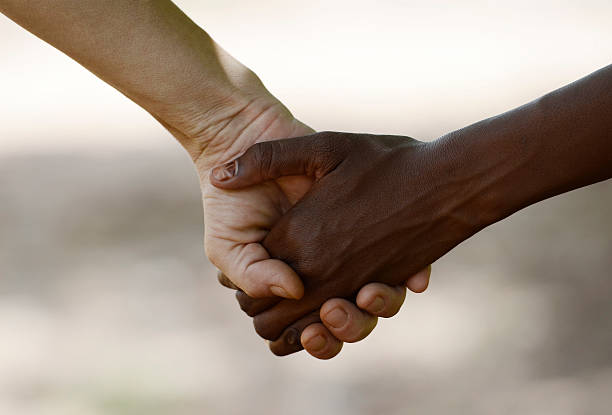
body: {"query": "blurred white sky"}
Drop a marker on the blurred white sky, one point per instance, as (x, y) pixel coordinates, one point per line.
(408, 67)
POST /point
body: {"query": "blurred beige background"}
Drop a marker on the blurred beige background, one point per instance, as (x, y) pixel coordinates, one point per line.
(108, 306)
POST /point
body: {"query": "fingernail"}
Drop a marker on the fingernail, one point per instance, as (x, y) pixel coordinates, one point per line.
(226, 171)
(336, 318)
(315, 343)
(291, 337)
(279, 291)
(377, 306)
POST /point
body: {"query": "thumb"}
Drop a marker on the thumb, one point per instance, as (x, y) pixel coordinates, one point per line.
(314, 155)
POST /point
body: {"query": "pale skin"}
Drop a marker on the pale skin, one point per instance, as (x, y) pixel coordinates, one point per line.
(216, 108)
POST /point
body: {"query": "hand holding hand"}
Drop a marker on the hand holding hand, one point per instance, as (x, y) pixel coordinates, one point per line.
(236, 221)
(381, 209)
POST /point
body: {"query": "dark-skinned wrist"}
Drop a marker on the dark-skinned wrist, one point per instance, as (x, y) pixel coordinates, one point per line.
(445, 170)
(552, 145)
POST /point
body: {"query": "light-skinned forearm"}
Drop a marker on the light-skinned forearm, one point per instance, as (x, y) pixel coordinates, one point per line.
(151, 52)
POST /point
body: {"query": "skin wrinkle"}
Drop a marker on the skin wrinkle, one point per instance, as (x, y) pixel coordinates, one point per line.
(250, 132)
(265, 214)
(255, 119)
(219, 127)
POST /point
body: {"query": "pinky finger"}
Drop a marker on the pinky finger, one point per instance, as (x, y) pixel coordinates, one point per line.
(419, 281)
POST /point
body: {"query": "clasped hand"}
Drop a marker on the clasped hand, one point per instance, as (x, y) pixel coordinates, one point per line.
(355, 237)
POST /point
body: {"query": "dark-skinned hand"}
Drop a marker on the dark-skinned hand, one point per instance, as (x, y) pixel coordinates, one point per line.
(357, 225)
(383, 207)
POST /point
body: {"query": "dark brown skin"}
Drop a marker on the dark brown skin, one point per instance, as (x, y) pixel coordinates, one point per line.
(384, 207)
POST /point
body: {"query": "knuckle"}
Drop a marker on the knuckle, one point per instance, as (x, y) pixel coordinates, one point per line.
(263, 155)
(264, 329)
(281, 349)
(253, 306)
(245, 302)
(326, 146)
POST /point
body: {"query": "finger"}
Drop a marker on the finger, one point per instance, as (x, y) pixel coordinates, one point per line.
(320, 342)
(289, 341)
(385, 301)
(345, 321)
(314, 155)
(271, 323)
(271, 277)
(380, 299)
(419, 281)
(253, 306)
(226, 282)
(250, 268)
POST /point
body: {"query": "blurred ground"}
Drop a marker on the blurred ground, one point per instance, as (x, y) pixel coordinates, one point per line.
(107, 306)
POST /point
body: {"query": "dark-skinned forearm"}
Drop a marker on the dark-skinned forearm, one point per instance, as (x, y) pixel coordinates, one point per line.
(557, 143)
